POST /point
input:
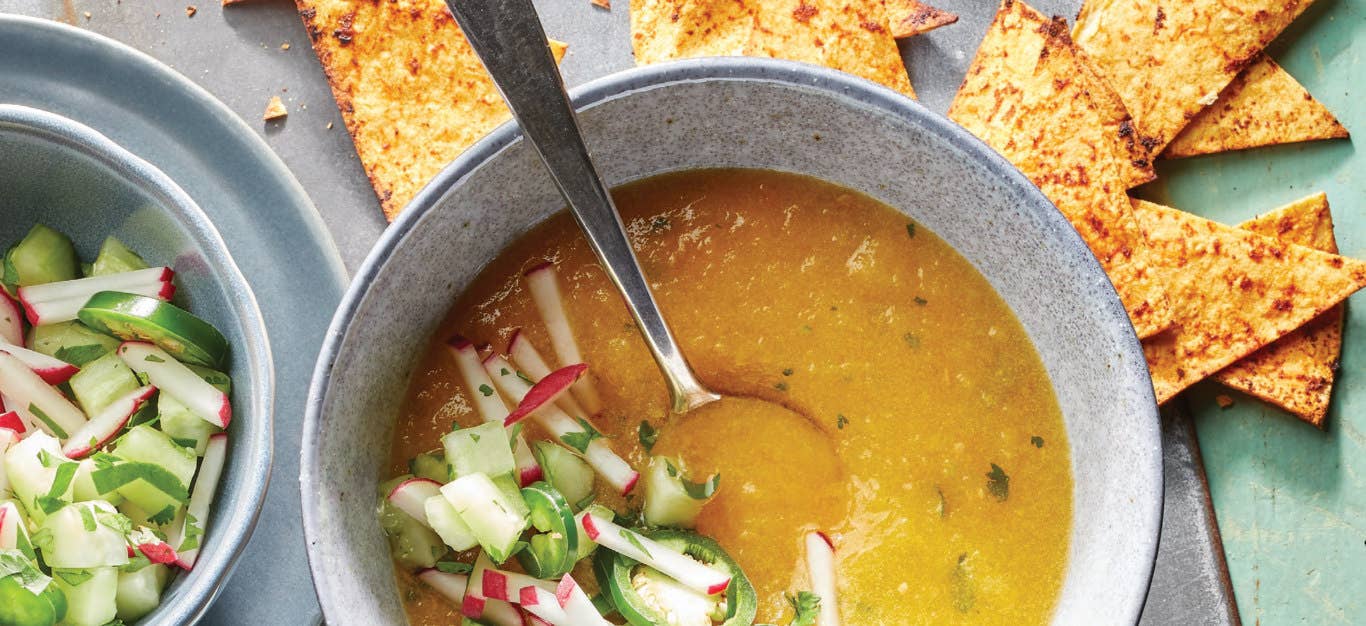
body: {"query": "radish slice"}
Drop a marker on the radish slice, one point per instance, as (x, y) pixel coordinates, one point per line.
(490, 405)
(178, 381)
(472, 605)
(453, 587)
(7, 437)
(613, 468)
(201, 497)
(504, 585)
(86, 287)
(151, 546)
(546, 391)
(410, 496)
(52, 370)
(108, 422)
(64, 310)
(820, 562)
(12, 422)
(686, 570)
(9, 526)
(545, 292)
(577, 605)
(25, 392)
(543, 604)
(11, 320)
(529, 360)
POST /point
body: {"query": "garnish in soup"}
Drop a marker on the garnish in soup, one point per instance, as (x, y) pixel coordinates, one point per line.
(543, 474)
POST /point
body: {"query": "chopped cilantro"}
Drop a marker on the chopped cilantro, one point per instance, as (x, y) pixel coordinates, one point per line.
(910, 229)
(503, 371)
(787, 372)
(88, 519)
(840, 421)
(631, 538)
(51, 425)
(581, 440)
(524, 377)
(1037, 441)
(702, 490)
(648, 435)
(806, 606)
(998, 483)
(152, 358)
(911, 340)
(73, 577)
(780, 386)
(80, 355)
(192, 534)
(921, 301)
(454, 567)
(943, 507)
(486, 390)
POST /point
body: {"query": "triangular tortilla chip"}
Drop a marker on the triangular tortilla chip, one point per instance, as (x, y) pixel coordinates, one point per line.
(1297, 371)
(1168, 59)
(1263, 106)
(848, 35)
(1234, 291)
(1032, 96)
(410, 88)
(913, 17)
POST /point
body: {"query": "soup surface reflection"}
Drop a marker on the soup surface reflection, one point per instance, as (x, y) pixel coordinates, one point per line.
(948, 496)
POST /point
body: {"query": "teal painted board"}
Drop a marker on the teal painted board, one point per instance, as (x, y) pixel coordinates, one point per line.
(1291, 500)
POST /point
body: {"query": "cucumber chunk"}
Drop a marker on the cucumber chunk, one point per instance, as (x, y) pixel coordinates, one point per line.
(432, 466)
(84, 489)
(183, 425)
(160, 493)
(114, 257)
(565, 471)
(102, 381)
(92, 601)
(482, 449)
(492, 516)
(139, 318)
(670, 499)
(71, 341)
(43, 256)
(139, 592)
(82, 535)
(412, 544)
(453, 531)
(36, 469)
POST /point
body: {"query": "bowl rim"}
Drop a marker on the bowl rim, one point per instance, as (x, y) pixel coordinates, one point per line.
(622, 84)
(201, 584)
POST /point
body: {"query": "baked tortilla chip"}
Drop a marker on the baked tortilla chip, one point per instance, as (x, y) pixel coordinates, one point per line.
(410, 88)
(848, 35)
(1032, 96)
(1168, 59)
(1297, 371)
(913, 17)
(1263, 106)
(1234, 292)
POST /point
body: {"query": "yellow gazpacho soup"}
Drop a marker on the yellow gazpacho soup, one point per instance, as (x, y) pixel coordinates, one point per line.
(935, 457)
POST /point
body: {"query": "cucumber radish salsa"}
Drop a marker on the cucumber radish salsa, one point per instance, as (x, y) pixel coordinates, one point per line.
(504, 525)
(113, 411)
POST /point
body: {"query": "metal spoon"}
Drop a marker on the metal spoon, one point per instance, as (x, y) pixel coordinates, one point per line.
(507, 36)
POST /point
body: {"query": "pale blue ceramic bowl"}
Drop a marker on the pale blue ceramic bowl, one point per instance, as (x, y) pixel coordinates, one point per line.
(61, 173)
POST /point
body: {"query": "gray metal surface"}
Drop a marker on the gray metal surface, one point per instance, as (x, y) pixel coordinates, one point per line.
(235, 53)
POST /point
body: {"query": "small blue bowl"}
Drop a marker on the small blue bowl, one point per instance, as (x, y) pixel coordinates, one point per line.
(61, 173)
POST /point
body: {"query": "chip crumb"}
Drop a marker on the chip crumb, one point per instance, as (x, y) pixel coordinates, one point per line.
(602, 4)
(1224, 401)
(87, 15)
(275, 109)
(284, 46)
(329, 126)
(190, 11)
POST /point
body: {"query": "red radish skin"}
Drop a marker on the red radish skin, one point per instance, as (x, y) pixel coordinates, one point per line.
(454, 586)
(11, 320)
(410, 496)
(546, 391)
(531, 474)
(52, 370)
(522, 352)
(578, 607)
(543, 285)
(542, 603)
(102, 428)
(472, 607)
(820, 563)
(23, 388)
(672, 563)
(503, 585)
(12, 422)
(180, 382)
(159, 552)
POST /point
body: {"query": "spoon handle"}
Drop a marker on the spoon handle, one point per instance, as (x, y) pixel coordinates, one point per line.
(507, 36)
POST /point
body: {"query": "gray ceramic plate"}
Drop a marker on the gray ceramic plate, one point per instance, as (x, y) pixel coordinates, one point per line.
(744, 113)
(71, 178)
(268, 223)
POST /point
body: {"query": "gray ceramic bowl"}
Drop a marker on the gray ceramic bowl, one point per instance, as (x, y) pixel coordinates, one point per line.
(758, 114)
(74, 179)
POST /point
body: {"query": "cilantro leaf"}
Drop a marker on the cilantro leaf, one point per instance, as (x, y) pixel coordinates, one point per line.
(486, 390)
(634, 540)
(1037, 441)
(648, 435)
(998, 483)
(581, 440)
(73, 577)
(702, 490)
(454, 567)
(80, 355)
(806, 606)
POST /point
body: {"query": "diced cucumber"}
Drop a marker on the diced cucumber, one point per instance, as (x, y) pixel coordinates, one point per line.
(183, 425)
(588, 546)
(453, 531)
(668, 500)
(489, 512)
(136, 514)
(412, 544)
(82, 535)
(102, 381)
(34, 467)
(512, 489)
(84, 489)
(71, 341)
(114, 257)
(43, 256)
(482, 449)
(139, 592)
(566, 472)
(150, 447)
(430, 465)
(92, 602)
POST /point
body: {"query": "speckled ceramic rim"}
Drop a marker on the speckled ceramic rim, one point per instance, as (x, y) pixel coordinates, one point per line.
(229, 530)
(857, 92)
